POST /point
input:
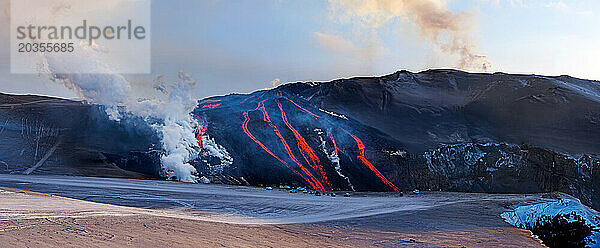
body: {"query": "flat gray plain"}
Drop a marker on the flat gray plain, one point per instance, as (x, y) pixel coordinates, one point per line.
(83, 211)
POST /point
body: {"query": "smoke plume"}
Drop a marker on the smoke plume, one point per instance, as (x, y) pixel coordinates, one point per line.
(449, 30)
(166, 106)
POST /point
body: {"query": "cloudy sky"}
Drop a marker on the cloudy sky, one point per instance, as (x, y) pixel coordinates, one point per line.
(244, 45)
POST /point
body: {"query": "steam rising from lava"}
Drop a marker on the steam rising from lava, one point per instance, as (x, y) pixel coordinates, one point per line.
(449, 30)
(166, 106)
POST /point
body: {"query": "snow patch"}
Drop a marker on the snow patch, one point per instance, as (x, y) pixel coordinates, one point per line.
(522, 216)
(334, 114)
(400, 153)
(204, 180)
(334, 158)
(588, 91)
(524, 83)
(449, 157)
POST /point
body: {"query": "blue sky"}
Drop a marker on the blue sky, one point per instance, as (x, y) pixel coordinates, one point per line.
(242, 45)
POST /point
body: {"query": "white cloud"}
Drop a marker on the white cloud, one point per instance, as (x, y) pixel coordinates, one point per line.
(450, 30)
(558, 5)
(334, 43)
(346, 48)
(561, 6)
(513, 3)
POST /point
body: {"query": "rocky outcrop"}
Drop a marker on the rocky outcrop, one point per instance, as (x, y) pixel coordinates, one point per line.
(504, 168)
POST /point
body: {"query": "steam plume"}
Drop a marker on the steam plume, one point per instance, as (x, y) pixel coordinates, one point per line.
(449, 30)
(275, 82)
(165, 106)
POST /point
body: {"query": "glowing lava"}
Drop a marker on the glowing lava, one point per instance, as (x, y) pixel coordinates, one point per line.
(307, 152)
(302, 109)
(361, 157)
(211, 106)
(266, 118)
(312, 181)
(361, 148)
(201, 130)
(334, 144)
(309, 155)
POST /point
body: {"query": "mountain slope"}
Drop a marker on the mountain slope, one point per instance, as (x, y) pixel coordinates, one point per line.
(44, 135)
(446, 106)
(272, 137)
(438, 130)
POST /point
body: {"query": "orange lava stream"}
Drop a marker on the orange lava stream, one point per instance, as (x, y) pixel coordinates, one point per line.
(361, 148)
(201, 130)
(266, 118)
(307, 152)
(361, 157)
(245, 128)
(301, 108)
(311, 180)
(250, 97)
(211, 106)
(334, 144)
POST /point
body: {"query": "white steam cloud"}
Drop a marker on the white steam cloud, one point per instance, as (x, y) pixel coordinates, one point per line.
(436, 24)
(169, 102)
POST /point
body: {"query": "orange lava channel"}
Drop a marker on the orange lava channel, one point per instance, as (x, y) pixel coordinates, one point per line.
(334, 144)
(361, 157)
(211, 106)
(307, 152)
(261, 107)
(303, 109)
(201, 130)
(315, 184)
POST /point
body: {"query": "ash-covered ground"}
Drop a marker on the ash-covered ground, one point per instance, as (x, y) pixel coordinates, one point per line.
(126, 212)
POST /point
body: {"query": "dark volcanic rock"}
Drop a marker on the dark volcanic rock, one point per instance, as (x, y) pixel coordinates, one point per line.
(504, 168)
(275, 138)
(438, 130)
(81, 134)
(422, 110)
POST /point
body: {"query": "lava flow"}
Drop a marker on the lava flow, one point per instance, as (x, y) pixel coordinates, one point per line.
(361, 148)
(334, 144)
(307, 152)
(201, 130)
(361, 157)
(211, 106)
(250, 97)
(266, 118)
(303, 109)
(313, 182)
